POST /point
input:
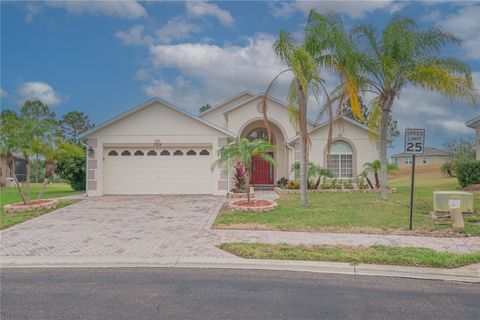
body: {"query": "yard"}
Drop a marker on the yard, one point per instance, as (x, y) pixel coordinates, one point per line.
(11, 195)
(360, 212)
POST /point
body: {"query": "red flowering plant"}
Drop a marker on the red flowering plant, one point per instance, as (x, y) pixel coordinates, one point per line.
(240, 177)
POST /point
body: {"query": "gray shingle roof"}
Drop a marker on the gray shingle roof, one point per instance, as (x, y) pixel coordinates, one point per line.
(428, 152)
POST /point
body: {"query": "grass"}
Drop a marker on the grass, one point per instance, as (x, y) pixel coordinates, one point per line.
(411, 256)
(11, 195)
(360, 212)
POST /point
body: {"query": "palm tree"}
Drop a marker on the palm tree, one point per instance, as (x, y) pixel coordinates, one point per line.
(314, 171)
(49, 153)
(324, 45)
(375, 167)
(243, 150)
(403, 55)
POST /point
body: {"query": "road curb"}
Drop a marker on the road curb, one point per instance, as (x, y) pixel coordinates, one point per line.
(465, 274)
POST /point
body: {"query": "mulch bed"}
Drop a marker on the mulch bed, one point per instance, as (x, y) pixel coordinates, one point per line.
(34, 202)
(472, 187)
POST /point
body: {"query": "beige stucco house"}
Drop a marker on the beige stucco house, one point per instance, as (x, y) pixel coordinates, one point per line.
(475, 124)
(158, 148)
(430, 156)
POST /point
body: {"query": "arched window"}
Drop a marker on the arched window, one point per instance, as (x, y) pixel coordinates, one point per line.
(165, 153)
(204, 153)
(178, 153)
(113, 153)
(139, 153)
(259, 134)
(340, 159)
(126, 153)
(152, 153)
(191, 153)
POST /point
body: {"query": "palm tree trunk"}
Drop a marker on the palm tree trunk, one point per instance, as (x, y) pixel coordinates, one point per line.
(247, 171)
(386, 108)
(369, 183)
(37, 168)
(42, 189)
(303, 150)
(27, 179)
(377, 182)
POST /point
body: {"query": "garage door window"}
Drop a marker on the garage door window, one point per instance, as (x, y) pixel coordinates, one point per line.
(126, 153)
(113, 153)
(139, 153)
(204, 153)
(165, 153)
(191, 153)
(178, 153)
(151, 153)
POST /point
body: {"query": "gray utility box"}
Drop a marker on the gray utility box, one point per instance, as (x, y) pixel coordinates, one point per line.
(441, 199)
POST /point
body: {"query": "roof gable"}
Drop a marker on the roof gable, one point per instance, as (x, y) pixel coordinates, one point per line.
(323, 124)
(227, 101)
(147, 104)
(474, 122)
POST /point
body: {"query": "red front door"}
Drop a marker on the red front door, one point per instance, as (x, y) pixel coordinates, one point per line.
(261, 171)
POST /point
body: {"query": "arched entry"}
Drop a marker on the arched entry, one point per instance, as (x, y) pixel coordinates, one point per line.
(261, 171)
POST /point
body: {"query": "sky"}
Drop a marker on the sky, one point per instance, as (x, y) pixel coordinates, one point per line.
(104, 57)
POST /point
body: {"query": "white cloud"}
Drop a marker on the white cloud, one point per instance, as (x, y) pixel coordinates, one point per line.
(354, 9)
(38, 91)
(465, 24)
(222, 70)
(181, 92)
(200, 9)
(3, 93)
(134, 36)
(127, 9)
(176, 28)
(32, 9)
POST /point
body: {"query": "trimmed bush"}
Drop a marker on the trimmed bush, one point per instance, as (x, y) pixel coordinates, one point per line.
(468, 172)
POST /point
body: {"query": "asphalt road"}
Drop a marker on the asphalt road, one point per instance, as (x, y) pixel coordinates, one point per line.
(148, 293)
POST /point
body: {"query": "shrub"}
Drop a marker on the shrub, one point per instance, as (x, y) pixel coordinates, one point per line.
(336, 184)
(361, 184)
(348, 184)
(468, 172)
(293, 185)
(282, 183)
(71, 165)
(325, 184)
(240, 177)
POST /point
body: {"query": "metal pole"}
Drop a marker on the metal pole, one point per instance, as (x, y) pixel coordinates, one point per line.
(411, 193)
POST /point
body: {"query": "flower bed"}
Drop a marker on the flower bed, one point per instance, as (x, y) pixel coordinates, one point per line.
(259, 205)
(32, 206)
(281, 191)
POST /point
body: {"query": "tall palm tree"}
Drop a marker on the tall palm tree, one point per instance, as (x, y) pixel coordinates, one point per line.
(400, 56)
(244, 150)
(324, 45)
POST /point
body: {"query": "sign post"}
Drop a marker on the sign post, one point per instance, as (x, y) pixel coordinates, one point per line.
(414, 144)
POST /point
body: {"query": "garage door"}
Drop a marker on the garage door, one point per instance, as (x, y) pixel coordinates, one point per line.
(157, 171)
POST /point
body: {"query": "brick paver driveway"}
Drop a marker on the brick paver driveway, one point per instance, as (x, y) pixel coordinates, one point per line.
(129, 226)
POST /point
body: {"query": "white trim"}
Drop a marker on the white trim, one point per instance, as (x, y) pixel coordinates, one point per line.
(280, 102)
(218, 105)
(146, 104)
(326, 123)
(472, 123)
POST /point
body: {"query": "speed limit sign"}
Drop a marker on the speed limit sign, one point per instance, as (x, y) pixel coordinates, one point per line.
(414, 144)
(414, 141)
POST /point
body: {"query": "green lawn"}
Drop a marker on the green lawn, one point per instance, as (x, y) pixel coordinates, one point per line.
(11, 195)
(373, 255)
(358, 212)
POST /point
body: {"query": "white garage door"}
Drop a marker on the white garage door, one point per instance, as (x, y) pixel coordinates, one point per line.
(159, 171)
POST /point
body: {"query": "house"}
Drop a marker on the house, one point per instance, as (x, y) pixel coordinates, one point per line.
(18, 167)
(158, 148)
(430, 156)
(475, 124)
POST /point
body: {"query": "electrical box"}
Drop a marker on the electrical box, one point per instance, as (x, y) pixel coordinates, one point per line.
(442, 200)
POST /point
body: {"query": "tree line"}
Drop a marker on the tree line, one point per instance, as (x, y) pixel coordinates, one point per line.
(47, 145)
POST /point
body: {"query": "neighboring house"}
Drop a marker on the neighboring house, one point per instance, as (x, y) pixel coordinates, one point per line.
(158, 148)
(475, 124)
(430, 156)
(18, 167)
